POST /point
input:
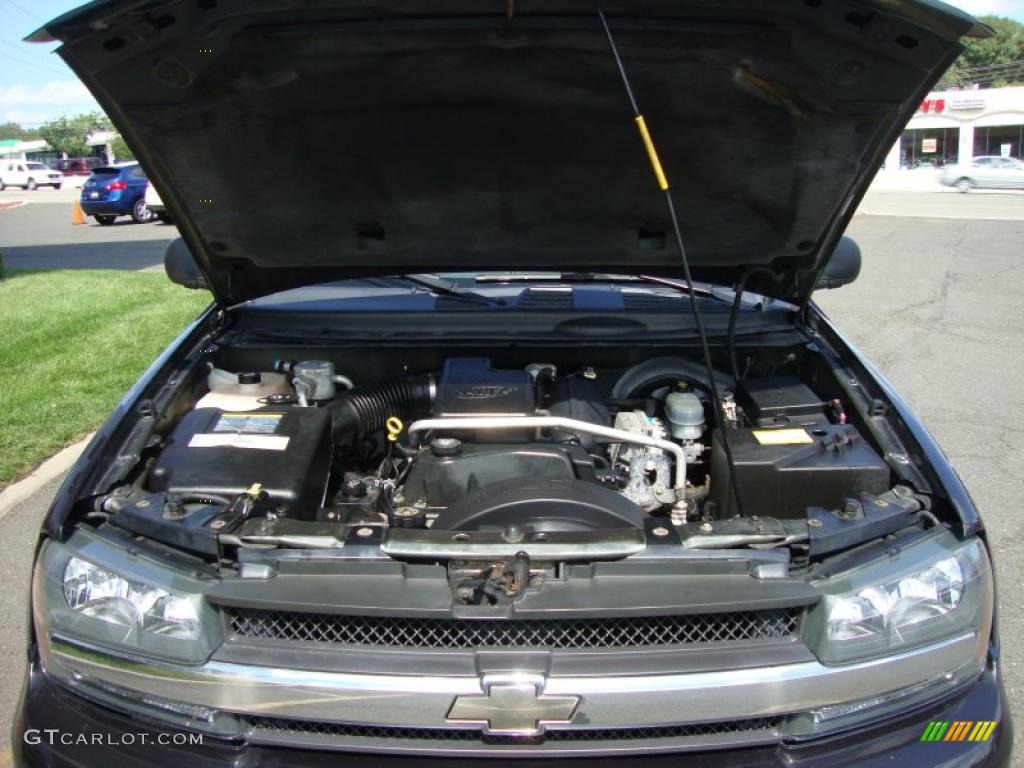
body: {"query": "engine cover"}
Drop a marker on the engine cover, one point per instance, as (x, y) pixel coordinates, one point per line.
(469, 386)
(442, 478)
(541, 504)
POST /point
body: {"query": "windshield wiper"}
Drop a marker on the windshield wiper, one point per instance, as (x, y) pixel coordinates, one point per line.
(586, 277)
(719, 292)
(441, 287)
(569, 278)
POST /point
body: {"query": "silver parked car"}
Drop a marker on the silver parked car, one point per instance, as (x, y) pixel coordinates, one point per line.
(989, 172)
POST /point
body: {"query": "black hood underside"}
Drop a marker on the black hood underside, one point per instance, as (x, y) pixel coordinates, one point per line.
(302, 142)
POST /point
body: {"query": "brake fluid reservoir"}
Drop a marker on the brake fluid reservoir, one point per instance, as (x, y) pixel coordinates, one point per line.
(242, 391)
(685, 415)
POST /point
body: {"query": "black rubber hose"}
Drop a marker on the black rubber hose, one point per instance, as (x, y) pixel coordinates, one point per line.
(741, 286)
(363, 410)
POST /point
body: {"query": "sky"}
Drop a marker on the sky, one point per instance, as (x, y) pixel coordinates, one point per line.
(36, 86)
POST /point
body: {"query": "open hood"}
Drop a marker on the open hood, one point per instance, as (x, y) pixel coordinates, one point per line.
(299, 142)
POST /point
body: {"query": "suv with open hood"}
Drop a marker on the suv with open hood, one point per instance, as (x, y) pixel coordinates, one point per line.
(495, 444)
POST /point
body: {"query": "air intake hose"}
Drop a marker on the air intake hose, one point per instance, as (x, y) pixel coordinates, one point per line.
(362, 410)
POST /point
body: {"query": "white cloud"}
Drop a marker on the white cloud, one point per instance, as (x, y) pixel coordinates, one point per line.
(37, 102)
(1012, 8)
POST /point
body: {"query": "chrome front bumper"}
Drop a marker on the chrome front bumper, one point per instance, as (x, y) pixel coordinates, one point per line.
(425, 701)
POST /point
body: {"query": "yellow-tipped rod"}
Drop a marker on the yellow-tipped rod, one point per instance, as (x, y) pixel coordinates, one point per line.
(652, 152)
(663, 185)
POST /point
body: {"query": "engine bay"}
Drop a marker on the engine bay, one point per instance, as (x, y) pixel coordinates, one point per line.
(505, 473)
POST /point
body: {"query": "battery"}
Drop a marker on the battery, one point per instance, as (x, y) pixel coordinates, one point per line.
(782, 472)
(223, 453)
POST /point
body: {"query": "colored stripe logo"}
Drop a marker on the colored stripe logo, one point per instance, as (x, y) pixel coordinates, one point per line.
(959, 730)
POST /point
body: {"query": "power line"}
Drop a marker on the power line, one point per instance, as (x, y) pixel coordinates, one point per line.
(29, 53)
(83, 107)
(997, 65)
(1007, 70)
(25, 48)
(36, 64)
(27, 13)
(34, 78)
(41, 79)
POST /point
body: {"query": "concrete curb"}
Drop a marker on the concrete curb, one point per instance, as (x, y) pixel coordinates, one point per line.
(53, 467)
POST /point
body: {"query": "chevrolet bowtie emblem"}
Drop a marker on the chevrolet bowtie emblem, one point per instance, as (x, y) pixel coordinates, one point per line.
(513, 709)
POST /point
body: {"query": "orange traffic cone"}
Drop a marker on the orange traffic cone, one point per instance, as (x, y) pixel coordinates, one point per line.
(77, 217)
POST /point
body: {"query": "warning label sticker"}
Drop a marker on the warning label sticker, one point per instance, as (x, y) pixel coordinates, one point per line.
(239, 440)
(782, 436)
(252, 423)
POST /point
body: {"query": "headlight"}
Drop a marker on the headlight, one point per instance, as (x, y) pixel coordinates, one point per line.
(930, 591)
(91, 592)
(102, 594)
(887, 609)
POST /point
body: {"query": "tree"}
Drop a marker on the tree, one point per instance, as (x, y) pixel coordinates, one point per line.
(11, 130)
(120, 150)
(69, 135)
(993, 61)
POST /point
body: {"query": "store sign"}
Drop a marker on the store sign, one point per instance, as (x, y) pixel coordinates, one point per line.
(967, 102)
(929, 146)
(933, 106)
(953, 102)
(1004, 150)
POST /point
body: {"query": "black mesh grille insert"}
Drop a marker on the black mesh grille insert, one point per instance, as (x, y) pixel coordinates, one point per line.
(344, 730)
(625, 632)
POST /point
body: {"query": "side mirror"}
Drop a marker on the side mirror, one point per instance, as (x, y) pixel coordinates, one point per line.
(181, 267)
(844, 265)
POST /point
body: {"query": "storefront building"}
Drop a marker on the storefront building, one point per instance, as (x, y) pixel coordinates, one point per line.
(954, 126)
(33, 150)
(37, 150)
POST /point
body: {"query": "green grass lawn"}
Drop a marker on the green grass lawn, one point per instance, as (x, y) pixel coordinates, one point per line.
(71, 344)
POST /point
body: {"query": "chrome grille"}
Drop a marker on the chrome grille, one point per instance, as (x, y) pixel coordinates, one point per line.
(349, 731)
(404, 632)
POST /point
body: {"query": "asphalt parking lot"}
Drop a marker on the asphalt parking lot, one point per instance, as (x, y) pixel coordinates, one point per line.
(40, 235)
(938, 308)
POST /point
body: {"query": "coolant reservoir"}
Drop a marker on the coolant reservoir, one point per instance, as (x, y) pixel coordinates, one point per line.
(242, 391)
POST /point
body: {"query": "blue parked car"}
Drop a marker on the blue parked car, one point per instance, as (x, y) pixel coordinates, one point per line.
(116, 191)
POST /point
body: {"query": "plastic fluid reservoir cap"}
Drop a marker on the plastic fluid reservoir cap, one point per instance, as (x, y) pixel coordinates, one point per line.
(446, 446)
(250, 377)
(685, 414)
